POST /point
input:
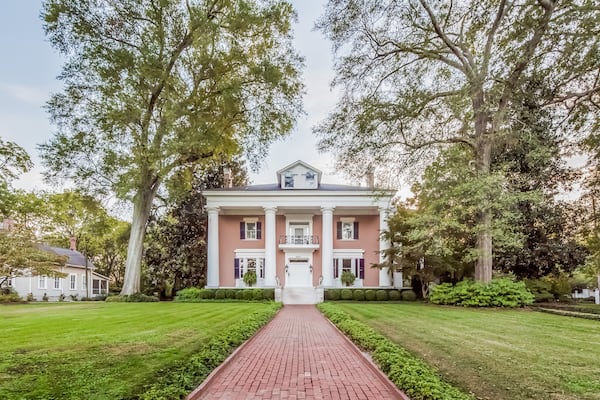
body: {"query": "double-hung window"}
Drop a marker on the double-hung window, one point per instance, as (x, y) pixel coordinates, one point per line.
(57, 282)
(72, 282)
(42, 282)
(347, 230)
(250, 229)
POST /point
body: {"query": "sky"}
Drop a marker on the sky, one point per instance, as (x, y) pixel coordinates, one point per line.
(30, 66)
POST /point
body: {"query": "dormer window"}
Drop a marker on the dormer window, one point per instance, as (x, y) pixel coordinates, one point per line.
(310, 178)
(299, 175)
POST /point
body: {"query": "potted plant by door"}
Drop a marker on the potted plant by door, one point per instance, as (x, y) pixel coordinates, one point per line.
(348, 278)
(250, 278)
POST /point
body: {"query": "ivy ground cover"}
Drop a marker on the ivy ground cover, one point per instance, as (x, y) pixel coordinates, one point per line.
(495, 354)
(101, 350)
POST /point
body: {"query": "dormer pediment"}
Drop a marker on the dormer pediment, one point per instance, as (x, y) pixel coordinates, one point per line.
(299, 175)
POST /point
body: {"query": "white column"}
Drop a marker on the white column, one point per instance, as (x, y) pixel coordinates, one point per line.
(384, 275)
(212, 267)
(270, 247)
(327, 246)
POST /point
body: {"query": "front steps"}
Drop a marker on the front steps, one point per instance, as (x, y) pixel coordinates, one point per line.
(299, 295)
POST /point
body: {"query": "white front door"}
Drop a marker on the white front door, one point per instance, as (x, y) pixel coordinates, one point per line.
(298, 273)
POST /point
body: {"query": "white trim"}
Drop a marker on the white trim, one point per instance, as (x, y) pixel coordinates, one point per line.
(45, 280)
(56, 279)
(72, 284)
(348, 253)
(241, 253)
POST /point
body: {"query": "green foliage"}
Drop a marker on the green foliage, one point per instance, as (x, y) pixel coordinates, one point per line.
(347, 278)
(498, 293)
(394, 295)
(248, 294)
(132, 298)
(61, 298)
(268, 294)
(332, 294)
(14, 161)
(208, 293)
(9, 296)
(541, 289)
(30, 297)
(249, 278)
(408, 295)
(381, 295)
(257, 294)
(411, 375)
(358, 295)
(45, 297)
(198, 295)
(152, 91)
(346, 294)
(220, 294)
(239, 294)
(189, 294)
(369, 295)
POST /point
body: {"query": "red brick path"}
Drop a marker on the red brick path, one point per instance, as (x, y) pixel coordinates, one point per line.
(298, 355)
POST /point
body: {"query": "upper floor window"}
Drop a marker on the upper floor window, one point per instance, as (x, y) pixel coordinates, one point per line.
(347, 230)
(250, 230)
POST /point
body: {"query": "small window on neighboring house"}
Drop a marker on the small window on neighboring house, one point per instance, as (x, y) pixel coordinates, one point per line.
(347, 230)
(42, 282)
(83, 281)
(72, 281)
(251, 230)
(288, 181)
(95, 286)
(57, 282)
(9, 282)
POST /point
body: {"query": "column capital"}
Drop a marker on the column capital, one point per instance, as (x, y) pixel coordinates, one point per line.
(212, 209)
(327, 209)
(270, 209)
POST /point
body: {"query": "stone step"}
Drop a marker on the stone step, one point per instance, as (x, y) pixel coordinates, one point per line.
(292, 295)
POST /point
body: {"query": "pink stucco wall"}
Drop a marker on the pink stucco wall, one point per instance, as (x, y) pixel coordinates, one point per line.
(368, 240)
(229, 240)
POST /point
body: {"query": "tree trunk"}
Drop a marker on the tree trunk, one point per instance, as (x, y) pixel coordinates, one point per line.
(483, 160)
(141, 211)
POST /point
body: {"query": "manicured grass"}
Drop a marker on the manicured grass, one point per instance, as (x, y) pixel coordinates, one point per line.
(102, 350)
(496, 354)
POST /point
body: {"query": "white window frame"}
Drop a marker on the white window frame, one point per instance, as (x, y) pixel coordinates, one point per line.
(72, 281)
(251, 232)
(347, 230)
(83, 282)
(288, 181)
(96, 290)
(42, 282)
(55, 281)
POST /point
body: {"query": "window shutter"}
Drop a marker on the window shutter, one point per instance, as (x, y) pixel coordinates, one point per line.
(361, 268)
(242, 230)
(236, 268)
(259, 230)
(355, 230)
(339, 230)
(335, 269)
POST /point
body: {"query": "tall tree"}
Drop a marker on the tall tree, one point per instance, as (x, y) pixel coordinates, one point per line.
(175, 249)
(13, 162)
(417, 75)
(152, 87)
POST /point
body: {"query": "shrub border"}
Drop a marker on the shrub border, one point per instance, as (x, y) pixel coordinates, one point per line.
(401, 367)
(400, 291)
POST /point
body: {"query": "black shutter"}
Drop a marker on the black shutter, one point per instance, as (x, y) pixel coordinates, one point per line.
(236, 268)
(259, 230)
(336, 272)
(242, 230)
(361, 268)
(339, 230)
(355, 230)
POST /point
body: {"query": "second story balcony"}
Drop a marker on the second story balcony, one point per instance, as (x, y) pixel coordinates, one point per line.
(298, 242)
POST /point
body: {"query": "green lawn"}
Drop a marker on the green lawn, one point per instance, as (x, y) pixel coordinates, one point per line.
(101, 350)
(496, 354)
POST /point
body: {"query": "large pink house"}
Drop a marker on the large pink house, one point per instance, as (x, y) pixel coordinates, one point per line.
(298, 235)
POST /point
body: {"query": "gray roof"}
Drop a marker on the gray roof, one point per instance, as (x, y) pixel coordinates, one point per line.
(75, 258)
(323, 187)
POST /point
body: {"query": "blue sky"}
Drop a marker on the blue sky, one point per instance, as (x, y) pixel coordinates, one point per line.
(30, 66)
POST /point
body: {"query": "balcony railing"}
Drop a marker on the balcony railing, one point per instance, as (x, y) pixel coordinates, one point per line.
(300, 240)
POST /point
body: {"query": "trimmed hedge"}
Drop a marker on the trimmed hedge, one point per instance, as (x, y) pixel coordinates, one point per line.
(498, 293)
(178, 381)
(412, 375)
(359, 294)
(197, 295)
(132, 298)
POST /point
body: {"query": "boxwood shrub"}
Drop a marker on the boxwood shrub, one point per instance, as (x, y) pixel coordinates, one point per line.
(408, 295)
(394, 295)
(501, 292)
(195, 294)
(381, 295)
(178, 381)
(132, 298)
(358, 295)
(332, 294)
(346, 294)
(220, 294)
(410, 374)
(369, 295)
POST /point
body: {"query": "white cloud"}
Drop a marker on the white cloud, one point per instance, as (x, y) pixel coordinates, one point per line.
(25, 93)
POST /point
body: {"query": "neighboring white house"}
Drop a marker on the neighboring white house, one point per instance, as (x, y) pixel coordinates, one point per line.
(74, 285)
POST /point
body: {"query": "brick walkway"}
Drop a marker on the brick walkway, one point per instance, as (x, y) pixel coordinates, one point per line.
(298, 355)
